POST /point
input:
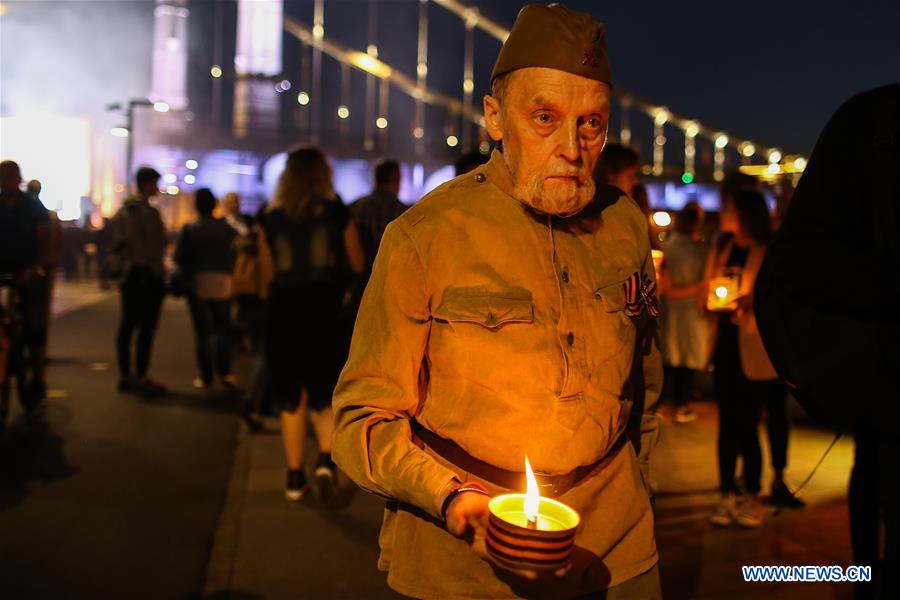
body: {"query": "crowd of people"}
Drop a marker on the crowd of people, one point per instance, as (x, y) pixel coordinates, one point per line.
(287, 284)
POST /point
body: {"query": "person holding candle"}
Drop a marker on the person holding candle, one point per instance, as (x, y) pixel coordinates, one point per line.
(684, 325)
(744, 377)
(511, 312)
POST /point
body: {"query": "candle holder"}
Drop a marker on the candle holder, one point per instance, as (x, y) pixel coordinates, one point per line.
(658, 257)
(544, 544)
(722, 294)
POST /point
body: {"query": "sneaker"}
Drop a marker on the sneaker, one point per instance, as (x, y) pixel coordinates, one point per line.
(785, 498)
(685, 415)
(725, 512)
(749, 512)
(296, 487)
(230, 382)
(326, 477)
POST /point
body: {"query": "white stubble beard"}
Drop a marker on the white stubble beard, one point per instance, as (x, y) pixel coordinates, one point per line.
(558, 201)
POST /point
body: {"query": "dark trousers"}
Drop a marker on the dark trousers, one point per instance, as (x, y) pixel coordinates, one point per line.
(212, 326)
(740, 406)
(142, 296)
(777, 423)
(678, 383)
(874, 499)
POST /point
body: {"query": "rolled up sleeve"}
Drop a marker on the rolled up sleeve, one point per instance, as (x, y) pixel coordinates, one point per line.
(379, 389)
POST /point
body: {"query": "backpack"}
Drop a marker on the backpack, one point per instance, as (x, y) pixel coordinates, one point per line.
(827, 298)
(253, 271)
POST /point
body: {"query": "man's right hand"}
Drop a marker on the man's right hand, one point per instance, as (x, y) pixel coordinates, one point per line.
(468, 515)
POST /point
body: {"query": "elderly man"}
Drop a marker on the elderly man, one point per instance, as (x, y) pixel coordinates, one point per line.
(511, 313)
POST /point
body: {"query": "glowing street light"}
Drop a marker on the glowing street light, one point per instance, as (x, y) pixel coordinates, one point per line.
(191, 164)
(119, 132)
(343, 112)
(381, 123)
(303, 98)
(452, 141)
(162, 107)
(170, 178)
(799, 163)
(662, 219)
(775, 156)
(190, 179)
(721, 141)
(748, 149)
(215, 71)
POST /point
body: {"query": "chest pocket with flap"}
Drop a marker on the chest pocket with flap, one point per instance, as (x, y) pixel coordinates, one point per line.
(486, 308)
(612, 294)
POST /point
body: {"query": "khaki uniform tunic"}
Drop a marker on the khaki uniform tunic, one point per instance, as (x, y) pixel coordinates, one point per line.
(506, 331)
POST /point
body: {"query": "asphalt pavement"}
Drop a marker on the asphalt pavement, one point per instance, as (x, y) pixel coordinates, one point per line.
(108, 495)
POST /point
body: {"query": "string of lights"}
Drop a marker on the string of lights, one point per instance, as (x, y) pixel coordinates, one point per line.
(418, 89)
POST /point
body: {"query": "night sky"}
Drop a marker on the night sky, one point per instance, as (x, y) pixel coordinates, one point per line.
(772, 72)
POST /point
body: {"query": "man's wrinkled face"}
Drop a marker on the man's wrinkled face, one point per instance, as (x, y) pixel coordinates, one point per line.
(553, 125)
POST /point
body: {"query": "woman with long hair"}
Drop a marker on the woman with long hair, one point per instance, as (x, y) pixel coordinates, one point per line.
(315, 251)
(744, 377)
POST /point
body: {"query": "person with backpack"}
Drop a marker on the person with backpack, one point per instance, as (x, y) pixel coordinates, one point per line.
(253, 272)
(827, 301)
(138, 246)
(205, 260)
(315, 249)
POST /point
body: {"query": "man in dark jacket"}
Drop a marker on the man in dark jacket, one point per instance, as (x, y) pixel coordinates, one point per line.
(138, 246)
(828, 307)
(372, 213)
(205, 256)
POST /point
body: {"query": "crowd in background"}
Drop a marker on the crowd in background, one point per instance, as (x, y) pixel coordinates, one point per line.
(284, 285)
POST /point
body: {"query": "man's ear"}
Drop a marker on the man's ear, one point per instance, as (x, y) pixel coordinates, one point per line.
(492, 118)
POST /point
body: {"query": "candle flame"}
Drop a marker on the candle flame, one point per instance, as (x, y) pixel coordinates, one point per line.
(722, 291)
(532, 495)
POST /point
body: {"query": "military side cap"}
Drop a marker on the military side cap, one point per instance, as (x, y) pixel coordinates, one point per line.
(555, 37)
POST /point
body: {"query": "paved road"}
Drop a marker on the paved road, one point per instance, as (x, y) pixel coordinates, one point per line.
(110, 496)
(113, 497)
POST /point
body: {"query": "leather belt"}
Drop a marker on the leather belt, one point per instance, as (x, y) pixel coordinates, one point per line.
(551, 486)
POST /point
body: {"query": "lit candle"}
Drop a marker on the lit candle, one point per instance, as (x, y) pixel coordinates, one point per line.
(722, 293)
(526, 531)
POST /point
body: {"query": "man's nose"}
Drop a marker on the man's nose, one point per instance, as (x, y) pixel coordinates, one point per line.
(569, 142)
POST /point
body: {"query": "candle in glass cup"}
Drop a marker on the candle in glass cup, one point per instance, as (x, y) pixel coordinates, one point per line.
(722, 293)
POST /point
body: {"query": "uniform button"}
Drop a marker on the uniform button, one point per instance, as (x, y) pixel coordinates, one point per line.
(479, 177)
(565, 276)
(570, 339)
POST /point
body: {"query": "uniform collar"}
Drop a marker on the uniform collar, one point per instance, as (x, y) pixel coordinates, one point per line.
(497, 172)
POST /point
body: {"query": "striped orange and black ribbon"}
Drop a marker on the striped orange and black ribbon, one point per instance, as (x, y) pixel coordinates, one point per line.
(640, 295)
